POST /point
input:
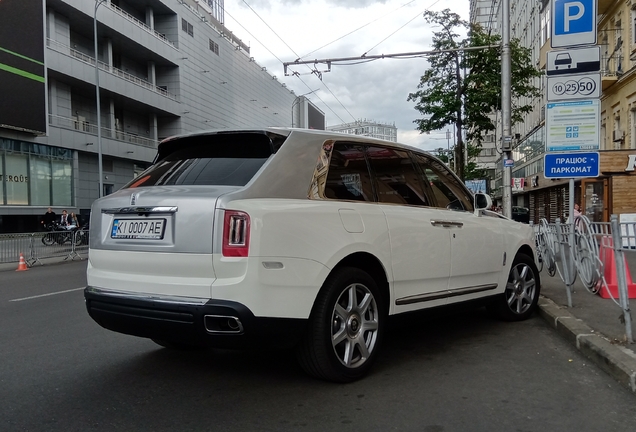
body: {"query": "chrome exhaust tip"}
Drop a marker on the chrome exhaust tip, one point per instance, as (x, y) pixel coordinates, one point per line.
(222, 324)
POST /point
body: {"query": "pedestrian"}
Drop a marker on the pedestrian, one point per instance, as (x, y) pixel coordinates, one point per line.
(73, 220)
(48, 218)
(64, 220)
(576, 213)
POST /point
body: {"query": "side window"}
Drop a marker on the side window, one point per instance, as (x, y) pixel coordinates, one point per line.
(348, 176)
(449, 192)
(397, 180)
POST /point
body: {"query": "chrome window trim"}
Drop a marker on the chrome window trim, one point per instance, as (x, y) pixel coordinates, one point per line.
(444, 294)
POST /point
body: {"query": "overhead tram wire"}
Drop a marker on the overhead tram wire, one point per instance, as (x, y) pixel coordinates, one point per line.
(296, 54)
(314, 70)
(405, 24)
(276, 57)
(387, 56)
(365, 59)
(361, 27)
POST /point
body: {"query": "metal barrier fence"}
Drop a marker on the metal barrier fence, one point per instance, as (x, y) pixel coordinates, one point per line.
(42, 245)
(585, 249)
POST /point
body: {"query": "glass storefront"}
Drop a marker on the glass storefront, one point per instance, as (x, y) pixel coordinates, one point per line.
(35, 174)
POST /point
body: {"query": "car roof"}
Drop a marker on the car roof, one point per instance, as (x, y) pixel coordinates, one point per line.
(287, 131)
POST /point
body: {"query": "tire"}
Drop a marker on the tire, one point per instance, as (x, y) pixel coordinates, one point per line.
(48, 239)
(178, 346)
(345, 328)
(519, 300)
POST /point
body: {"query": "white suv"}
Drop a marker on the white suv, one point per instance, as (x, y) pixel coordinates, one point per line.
(307, 238)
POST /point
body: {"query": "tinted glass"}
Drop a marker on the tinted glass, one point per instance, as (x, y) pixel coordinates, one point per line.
(448, 190)
(348, 176)
(397, 180)
(207, 160)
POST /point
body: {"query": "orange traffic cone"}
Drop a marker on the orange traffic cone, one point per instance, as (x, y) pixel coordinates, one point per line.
(22, 265)
(607, 255)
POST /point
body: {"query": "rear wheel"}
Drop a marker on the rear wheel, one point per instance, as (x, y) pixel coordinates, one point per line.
(521, 296)
(345, 328)
(48, 239)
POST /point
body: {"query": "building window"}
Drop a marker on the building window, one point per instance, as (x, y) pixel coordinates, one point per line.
(187, 27)
(33, 174)
(214, 47)
(633, 26)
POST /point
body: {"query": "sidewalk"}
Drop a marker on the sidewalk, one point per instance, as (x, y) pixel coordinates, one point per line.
(593, 325)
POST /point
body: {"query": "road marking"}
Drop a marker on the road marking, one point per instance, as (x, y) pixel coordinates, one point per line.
(46, 295)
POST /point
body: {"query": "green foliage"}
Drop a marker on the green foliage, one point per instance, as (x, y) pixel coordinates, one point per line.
(462, 87)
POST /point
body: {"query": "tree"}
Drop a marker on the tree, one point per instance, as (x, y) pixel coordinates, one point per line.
(463, 86)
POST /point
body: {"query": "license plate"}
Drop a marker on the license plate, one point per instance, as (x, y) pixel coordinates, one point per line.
(138, 229)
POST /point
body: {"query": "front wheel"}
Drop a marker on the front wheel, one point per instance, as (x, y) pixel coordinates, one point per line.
(345, 328)
(521, 296)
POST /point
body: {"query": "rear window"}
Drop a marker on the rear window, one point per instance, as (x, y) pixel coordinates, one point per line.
(223, 160)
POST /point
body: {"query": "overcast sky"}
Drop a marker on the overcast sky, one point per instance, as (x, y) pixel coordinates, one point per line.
(280, 31)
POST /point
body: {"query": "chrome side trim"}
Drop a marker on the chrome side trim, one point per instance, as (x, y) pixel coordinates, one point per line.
(131, 210)
(191, 301)
(446, 223)
(444, 294)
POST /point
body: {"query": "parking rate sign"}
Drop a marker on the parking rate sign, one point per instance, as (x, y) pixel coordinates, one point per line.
(573, 23)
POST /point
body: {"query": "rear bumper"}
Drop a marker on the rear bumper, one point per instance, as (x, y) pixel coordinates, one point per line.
(205, 322)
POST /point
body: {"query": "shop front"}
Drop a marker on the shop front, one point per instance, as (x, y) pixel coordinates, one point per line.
(612, 192)
(33, 177)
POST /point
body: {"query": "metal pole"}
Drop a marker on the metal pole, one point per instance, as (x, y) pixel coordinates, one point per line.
(100, 192)
(505, 108)
(566, 253)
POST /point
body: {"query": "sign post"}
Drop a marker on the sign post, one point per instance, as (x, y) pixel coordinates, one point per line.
(573, 109)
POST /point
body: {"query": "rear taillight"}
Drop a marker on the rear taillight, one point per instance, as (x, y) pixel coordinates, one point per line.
(236, 234)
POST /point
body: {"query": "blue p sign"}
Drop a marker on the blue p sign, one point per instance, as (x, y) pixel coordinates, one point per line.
(573, 23)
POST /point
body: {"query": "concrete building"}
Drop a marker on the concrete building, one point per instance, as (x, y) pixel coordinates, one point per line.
(487, 14)
(165, 67)
(367, 128)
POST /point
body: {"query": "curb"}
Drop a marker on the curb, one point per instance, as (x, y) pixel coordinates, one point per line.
(618, 361)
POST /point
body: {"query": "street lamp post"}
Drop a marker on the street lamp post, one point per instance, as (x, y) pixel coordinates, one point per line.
(100, 192)
(296, 101)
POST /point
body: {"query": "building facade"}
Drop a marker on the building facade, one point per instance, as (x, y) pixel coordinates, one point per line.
(610, 193)
(165, 67)
(487, 14)
(367, 128)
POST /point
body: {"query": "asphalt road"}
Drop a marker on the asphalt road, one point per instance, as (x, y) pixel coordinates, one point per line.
(457, 371)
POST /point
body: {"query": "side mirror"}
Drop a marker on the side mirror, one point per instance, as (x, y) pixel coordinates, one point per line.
(482, 201)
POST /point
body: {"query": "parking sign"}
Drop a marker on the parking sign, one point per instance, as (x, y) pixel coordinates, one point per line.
(573, 23)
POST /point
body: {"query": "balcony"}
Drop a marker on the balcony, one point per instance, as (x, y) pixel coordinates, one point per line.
(81, 125)
(139, 24)
(84, 58)
(611, 70)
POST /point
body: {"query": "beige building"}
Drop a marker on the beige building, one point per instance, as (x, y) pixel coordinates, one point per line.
(612, 191)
